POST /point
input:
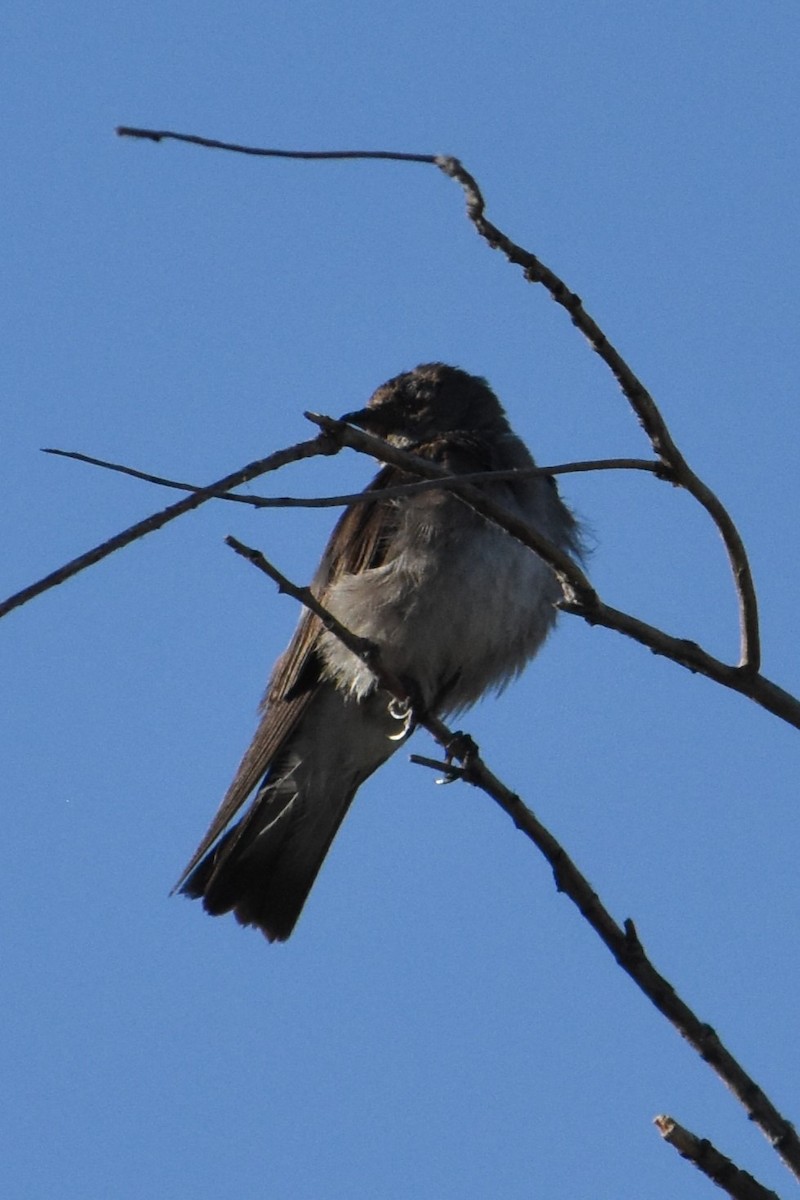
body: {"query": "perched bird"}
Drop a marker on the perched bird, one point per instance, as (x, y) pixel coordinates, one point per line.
(455, 605)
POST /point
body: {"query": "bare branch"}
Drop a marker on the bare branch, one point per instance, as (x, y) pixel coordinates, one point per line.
(721, 1170)
(366, 650)
(76, 456)
(623, 942)
(389, 493)
(691, 656)
(535, 271)
(580, 598)
(316, 446)
(638, 397)
(163, 135)
(449, 772)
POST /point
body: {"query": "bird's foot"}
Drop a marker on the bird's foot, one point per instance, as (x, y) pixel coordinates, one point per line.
(462, 747)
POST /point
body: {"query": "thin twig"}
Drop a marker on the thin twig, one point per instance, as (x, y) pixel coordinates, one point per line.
(163, 135)
(363, 648)
(623, 942)
(449, 772)
(389, 493)
(705, 1156)
(309, 449)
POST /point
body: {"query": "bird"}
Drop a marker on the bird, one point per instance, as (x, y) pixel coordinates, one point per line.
(455, 606)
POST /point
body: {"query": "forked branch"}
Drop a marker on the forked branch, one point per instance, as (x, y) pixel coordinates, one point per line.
(636, 393)
(623, 941)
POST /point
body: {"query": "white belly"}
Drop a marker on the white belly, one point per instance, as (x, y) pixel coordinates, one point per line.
(469, 611)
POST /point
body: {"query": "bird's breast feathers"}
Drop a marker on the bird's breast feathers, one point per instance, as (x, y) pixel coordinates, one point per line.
(467, 608)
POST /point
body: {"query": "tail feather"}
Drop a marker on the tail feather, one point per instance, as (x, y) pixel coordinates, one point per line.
(264, 868)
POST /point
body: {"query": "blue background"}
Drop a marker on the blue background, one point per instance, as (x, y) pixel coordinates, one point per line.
(443, 1024)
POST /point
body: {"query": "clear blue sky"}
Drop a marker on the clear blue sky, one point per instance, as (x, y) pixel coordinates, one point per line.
(443, 1024)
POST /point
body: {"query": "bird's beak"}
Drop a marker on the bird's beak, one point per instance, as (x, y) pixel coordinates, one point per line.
(359, 417)
(366, 418)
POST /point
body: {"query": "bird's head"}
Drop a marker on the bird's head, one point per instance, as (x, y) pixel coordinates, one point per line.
(433, 399)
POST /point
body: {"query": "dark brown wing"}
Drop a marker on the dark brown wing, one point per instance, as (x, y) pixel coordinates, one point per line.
(358, 543)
